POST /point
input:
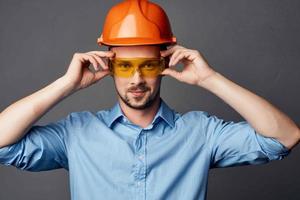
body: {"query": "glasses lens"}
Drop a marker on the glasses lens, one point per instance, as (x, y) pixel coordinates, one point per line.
(122, 68)
(126, 67)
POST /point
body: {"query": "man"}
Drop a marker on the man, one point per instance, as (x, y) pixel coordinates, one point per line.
(141, 148)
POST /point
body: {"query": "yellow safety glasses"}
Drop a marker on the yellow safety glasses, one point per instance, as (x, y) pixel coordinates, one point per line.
(126, 67)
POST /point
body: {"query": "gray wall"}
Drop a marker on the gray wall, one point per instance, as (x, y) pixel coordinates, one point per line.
(255, 43)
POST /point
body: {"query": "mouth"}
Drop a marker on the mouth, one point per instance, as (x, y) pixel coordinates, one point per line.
(138, 93)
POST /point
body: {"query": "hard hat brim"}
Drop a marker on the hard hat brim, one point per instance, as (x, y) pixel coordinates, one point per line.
(135, 41)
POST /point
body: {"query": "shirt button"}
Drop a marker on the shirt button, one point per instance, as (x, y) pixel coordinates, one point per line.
(139, 183)
(141, 157)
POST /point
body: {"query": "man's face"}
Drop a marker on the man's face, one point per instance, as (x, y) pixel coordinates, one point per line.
(137, 92)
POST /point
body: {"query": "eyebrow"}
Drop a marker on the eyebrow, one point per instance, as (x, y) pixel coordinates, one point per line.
(149, 61)
(124, 62)
(142, 63)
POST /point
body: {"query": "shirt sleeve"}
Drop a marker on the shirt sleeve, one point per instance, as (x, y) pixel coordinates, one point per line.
(42, 148)
(237, 143)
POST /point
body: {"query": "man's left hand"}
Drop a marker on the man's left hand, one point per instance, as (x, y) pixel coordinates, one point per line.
(195, 70)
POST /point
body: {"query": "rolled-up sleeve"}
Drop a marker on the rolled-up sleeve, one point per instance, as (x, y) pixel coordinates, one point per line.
(238, 143)
(42, 148)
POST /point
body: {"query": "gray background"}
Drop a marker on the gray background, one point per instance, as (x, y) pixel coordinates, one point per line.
(255, 43)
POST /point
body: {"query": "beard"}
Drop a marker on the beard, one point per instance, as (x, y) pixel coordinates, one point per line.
(144, 102)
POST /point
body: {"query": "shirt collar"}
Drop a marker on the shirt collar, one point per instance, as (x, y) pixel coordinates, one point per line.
(164, 112)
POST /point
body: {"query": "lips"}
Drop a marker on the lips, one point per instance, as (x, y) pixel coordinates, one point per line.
(138, 93)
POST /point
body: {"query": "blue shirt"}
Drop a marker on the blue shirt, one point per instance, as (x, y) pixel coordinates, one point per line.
(110, 158)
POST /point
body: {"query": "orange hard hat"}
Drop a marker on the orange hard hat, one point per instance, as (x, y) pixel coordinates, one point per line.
(136, 22)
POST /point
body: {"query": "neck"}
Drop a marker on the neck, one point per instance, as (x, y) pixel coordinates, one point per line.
(142, 117)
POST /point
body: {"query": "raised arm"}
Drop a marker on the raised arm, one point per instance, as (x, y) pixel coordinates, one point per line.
(262, 115)
(17, 118)
(265, 118)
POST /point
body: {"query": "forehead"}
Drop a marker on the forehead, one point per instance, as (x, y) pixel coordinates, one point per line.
(137, 51)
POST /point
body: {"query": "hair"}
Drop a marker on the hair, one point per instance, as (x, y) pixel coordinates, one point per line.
(163, 46)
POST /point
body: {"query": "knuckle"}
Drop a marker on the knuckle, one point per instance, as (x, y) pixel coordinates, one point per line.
(196, 52)
(90, 56)
(77, 55)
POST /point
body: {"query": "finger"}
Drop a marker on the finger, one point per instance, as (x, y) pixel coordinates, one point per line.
(103, 53)
(101, 74)
(175, 54)
(171, 72)
(174, 46)
(170, 51)
(99, 60)
(91, 59)
(106, 54)
(184, 54)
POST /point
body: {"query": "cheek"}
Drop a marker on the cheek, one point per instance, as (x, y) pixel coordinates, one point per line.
(120, 83)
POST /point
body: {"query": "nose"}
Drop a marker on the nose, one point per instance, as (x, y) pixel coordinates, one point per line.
(137, 78)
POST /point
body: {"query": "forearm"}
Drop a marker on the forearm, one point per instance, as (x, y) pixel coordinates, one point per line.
(263, 116)
(16, 119)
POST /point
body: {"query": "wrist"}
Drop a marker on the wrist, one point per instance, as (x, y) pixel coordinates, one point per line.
(68, 86)
(203, 82)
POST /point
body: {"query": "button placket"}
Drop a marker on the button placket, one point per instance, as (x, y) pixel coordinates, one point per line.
(138, 142)
(141, 157)
(140, 165)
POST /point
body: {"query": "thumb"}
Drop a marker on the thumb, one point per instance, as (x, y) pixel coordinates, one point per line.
(100, 74)
(171, 72)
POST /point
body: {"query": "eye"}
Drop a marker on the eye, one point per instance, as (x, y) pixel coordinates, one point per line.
(124, 66)
(148, 66)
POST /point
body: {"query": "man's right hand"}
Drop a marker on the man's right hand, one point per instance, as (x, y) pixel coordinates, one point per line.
(80, 76)
(16, 119)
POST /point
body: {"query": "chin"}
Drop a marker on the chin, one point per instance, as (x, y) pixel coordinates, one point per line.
(138, 103)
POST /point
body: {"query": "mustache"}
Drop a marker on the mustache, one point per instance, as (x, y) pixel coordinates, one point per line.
(138, 88)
